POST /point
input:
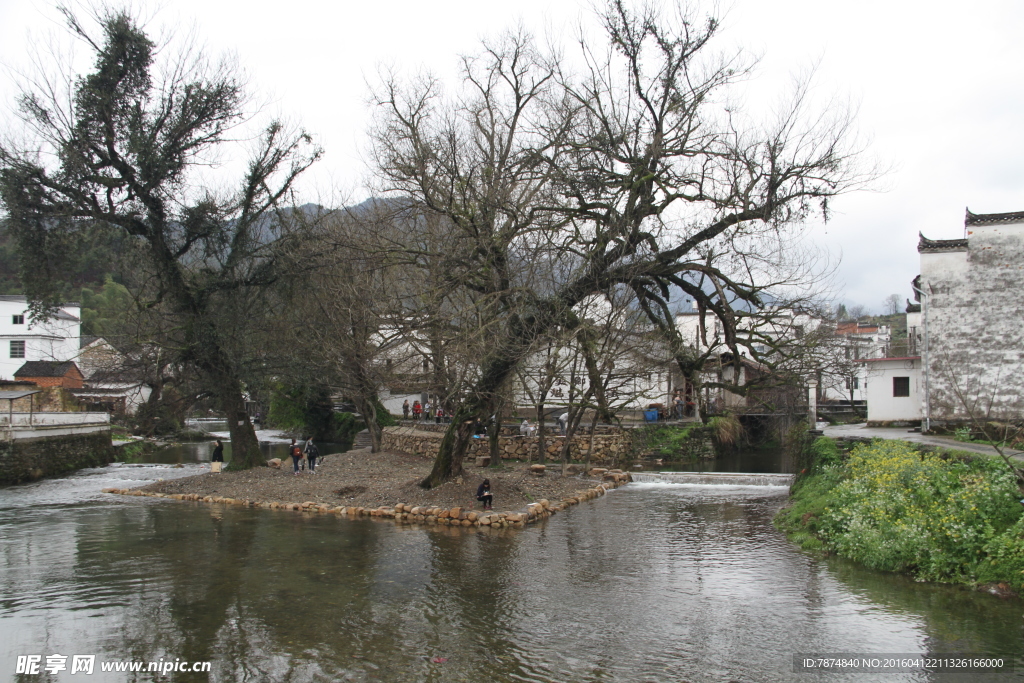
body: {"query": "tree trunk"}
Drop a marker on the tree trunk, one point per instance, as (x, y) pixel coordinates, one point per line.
(245, 448)
(494, 437)
(541, 444)
(590, 449)
(452, 450)
(368, 409)
(575, 417)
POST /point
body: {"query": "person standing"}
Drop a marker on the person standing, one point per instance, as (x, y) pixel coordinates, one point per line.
(296, 452)
(405, 409)
(563, 422)
(312, 453)
(438, 415)
(416, 410)
(217, 457)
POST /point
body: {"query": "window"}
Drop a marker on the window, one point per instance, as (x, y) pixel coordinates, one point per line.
(900, 386)
(18, 319)
(17, 349)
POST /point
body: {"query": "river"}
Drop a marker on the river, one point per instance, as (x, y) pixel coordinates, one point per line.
(649, 583)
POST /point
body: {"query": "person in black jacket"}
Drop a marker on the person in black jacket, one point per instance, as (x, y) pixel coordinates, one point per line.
(218, 452)
(483, 494)
(312, 453)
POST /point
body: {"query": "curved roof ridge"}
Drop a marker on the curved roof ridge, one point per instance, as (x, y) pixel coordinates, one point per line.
(989, 218)
(926, 245)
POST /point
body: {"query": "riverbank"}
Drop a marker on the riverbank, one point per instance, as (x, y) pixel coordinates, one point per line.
(947, 516)
(387, 485)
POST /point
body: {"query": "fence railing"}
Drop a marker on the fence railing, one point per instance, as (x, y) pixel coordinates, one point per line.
(24, 419)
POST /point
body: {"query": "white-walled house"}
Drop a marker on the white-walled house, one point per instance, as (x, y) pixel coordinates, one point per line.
(108, 385)
(22, 339)
(893, 388)
(971, 293)
(973, 306)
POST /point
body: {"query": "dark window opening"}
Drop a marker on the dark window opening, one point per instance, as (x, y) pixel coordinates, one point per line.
(18, 319)
(900, 386)
(17, 349)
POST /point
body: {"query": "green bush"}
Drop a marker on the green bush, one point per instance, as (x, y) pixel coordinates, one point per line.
(673, 443)
(894, 508)
(726, 429)
(344, 427)
(824, 453)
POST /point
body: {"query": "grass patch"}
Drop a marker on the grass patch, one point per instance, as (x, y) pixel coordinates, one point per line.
(133, 452)
(938, 516)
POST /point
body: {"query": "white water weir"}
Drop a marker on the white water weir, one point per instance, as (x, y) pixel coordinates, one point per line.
(714, 478)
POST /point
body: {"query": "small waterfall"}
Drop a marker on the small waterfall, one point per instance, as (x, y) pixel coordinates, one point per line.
(714, 478)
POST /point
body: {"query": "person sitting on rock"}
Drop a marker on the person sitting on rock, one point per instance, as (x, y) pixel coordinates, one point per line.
(483, 494)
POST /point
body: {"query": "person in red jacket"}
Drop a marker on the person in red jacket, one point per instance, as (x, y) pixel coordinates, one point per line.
(416, 410)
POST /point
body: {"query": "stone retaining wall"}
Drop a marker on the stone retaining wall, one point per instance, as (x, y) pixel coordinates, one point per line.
(28, 459)
(420, 514)
(506, 429)
(607, 447)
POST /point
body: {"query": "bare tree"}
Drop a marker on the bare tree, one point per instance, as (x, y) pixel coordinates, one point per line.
(121, 149)
(892, 304)
(580, 174)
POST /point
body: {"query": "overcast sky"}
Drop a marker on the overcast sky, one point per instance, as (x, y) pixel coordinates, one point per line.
(938, 86)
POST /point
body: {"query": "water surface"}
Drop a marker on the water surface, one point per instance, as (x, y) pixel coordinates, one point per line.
(649, 583)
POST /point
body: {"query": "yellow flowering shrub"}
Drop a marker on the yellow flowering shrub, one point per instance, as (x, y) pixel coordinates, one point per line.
(939, 518)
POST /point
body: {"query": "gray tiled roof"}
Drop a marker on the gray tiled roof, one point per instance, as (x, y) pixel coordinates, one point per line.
(45, 368)
(927, 246)
(993, 218)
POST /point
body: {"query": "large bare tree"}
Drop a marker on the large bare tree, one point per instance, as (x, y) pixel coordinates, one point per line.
(123, 145)
(557, 186)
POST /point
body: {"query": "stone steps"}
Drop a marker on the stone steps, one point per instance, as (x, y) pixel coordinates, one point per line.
(362, 440)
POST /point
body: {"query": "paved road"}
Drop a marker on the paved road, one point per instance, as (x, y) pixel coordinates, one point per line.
(862, 430)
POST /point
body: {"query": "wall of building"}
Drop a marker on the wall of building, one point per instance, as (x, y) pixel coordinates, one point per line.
(883, 406)
(56, 339)
(975, 310)
(29, 459)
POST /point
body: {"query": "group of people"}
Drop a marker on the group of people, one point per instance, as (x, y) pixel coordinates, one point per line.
(303, 455)
(424, 411)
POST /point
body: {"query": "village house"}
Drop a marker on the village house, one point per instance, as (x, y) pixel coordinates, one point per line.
(48, 373)
(23, 340)
(112, 383)
(857, 339)
(969, 331)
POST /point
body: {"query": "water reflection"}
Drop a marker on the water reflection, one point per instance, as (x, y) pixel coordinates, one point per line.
(650, 583)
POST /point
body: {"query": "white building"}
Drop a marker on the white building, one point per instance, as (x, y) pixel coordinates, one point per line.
(856, 340)
(972, 307)
(974, 310)
(22, 339)
(109, 384)
(893, 389)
